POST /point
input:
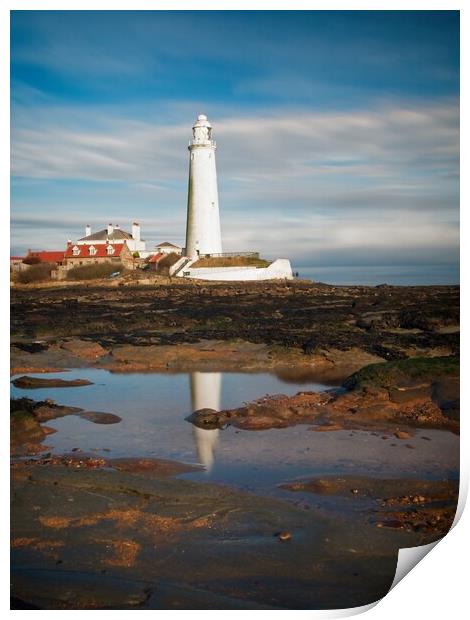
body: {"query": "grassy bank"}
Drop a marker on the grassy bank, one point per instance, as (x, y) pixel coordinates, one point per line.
(231, 261)
(390, 374)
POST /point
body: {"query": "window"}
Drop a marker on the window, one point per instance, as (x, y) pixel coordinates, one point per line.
(110, 249)
(76, 251)
(92, 250)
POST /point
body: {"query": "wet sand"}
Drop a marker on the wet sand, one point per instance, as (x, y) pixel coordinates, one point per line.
(202, 544)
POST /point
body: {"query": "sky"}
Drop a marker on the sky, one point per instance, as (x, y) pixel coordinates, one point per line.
(337, 131)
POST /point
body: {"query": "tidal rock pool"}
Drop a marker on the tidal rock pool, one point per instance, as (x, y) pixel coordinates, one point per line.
(290, 518)
(153, 408)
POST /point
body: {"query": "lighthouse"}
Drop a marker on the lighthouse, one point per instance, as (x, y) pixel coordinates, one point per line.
(203, 222)
(203, 237)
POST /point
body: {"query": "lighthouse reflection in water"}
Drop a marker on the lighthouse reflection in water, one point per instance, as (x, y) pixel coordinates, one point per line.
(205, 394)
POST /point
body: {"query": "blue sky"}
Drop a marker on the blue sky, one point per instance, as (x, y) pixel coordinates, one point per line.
(337, 132)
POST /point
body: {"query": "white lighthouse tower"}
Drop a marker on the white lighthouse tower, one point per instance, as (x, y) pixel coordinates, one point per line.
(203, 222)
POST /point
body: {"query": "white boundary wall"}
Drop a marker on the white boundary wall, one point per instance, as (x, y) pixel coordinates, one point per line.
(280, 269)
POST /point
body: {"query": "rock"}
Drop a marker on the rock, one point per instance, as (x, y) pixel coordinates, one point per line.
(31, 383)
(31, 347)
(207, 418)
(309, 346)
(284, 536)
(156, 467)
(391, 523)
(402, 435)
(99, 417)
(410, 395)
(84, 349)
(43, 412)
(25, 433)
(332, 426)
(411, 373)
(48, 430)
(277, 411)
(446, 394)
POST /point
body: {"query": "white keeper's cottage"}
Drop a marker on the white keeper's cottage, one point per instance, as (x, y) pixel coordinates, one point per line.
(114, 234)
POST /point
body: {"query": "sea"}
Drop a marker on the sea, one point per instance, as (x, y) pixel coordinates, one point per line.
(398, 275)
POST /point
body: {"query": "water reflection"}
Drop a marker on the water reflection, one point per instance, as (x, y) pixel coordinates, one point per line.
(205, 394)
(253, 459)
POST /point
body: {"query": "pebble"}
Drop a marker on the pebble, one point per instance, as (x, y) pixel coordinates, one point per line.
(402, 435)
(392, 523)
(284, 536)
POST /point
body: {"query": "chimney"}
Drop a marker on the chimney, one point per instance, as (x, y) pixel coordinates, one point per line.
(110, 229)
(87, 230)
(69, 242)
(136, 231)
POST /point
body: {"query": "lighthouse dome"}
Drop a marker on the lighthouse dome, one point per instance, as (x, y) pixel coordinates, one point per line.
(202, 121)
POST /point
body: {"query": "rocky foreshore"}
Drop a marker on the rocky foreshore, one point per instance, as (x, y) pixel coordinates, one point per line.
(420, 392)
(334, 330)
(93, 532)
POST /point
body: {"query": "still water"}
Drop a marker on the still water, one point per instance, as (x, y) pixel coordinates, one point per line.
(153, 408)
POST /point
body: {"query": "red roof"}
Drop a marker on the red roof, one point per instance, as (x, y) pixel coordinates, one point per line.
(16, 257)
(46, 256)
(156, 257)
(101, 250)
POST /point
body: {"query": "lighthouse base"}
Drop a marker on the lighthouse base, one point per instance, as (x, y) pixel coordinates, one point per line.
(279, 269)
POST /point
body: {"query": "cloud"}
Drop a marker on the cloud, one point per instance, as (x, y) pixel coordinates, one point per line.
(380, 143)
(377, 183)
